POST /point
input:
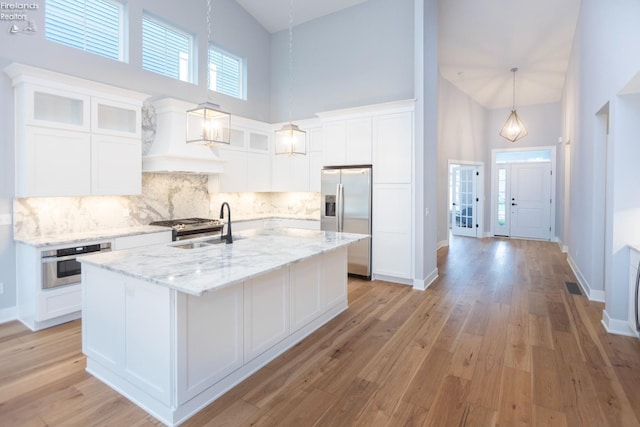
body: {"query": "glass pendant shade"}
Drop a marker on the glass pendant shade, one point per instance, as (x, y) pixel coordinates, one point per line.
(208, 125)
(291, 140)
(513, 128)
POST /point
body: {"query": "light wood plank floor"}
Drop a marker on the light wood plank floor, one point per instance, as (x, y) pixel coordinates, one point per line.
(496, 340)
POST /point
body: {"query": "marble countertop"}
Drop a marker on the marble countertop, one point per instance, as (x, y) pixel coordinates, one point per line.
(72, 238)
(206, 269)
(634, 246)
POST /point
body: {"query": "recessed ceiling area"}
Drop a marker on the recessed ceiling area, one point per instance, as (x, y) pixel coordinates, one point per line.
(479, 43)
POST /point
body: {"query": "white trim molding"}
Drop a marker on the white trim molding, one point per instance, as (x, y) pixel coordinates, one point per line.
(8, 314)
(422, 285)
(592, 294)
(615, 326)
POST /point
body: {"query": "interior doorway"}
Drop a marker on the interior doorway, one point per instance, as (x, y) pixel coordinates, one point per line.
(523, 188)
(466, 181)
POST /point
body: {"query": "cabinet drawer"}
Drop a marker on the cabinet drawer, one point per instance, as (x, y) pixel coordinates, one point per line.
(58, 302)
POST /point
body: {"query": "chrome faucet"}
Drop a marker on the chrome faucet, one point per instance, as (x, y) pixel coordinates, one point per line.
(228, 237)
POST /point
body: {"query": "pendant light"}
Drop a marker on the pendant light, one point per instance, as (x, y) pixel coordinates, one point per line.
(207, 124)
(290, 139)
(513, 128)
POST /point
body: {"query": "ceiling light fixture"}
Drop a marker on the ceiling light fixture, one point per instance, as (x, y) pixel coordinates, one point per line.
(290, 139)
(207, 124)
(513, 128)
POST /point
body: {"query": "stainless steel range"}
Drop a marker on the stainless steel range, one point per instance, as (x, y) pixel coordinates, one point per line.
(190, 228)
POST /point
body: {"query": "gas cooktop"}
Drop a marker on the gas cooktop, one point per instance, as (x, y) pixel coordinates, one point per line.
(191, 227)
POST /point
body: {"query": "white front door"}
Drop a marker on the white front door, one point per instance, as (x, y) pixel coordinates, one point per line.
(531, 200)
(524, 205)
(464, 200)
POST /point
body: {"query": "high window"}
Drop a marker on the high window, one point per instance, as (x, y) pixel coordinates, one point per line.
(166, 50)
(95, 26)
(226, 73)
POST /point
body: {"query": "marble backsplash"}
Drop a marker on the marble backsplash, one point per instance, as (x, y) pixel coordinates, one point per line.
(164, 196)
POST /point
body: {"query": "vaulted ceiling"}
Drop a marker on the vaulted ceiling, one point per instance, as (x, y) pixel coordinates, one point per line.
(479, 42)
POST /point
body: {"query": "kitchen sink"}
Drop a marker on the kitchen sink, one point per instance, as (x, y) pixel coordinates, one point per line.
(201, 243)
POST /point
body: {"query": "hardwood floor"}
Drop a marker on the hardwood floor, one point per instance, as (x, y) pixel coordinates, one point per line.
(497, 340)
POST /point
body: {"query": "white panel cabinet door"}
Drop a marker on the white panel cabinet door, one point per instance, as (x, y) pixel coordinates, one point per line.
(210, 339)
(359, 138)
(128, 242)
(280, 173)
(393, 145)
(54, 163)
(315, 169)
(334, 140)
(147, 337)
(234, 178)
(334, 278)
(258, 172)
(392, 230)
(306, 292)
(103, 298)
(266, 312)
(116, 166)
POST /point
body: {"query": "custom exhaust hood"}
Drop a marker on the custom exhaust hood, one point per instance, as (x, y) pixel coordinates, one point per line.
(169, 152)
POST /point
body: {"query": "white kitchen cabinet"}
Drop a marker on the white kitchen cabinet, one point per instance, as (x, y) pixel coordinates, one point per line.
(208, 352)
(347, 142)
(234, 177)
(634, 260)
(315, 158)
(116, 165)
(258, 172)
(290, 173)
(392, 242)
(136, 343)
(117, 118)
(60, 121)
(266, 312)
(53, 162)
(306, 292)
(51, 107)
(393, 147)
(333, 283)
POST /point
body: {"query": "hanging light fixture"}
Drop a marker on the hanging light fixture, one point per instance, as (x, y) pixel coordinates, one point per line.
(290, 139)
(207, 124)
(513, 128)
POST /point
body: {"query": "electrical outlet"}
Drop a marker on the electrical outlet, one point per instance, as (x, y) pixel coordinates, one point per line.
(5, 219)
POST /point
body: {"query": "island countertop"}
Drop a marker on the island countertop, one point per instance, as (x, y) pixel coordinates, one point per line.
(205, 269)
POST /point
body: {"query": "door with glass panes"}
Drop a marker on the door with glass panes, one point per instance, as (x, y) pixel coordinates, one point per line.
(464, 200)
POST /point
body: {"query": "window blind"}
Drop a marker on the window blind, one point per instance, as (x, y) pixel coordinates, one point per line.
(165, 50)
(226, 73)
(94, 26)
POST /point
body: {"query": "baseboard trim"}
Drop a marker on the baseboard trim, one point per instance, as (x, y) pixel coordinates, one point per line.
(615, 326)
(392, 279)
(592, 295)
(423, 284)
(563, 248)
(8, 314)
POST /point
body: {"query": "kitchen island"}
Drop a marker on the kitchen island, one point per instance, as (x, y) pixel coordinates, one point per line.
(174, 326)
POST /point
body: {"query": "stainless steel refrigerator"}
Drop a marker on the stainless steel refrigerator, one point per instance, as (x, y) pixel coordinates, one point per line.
(346, 206)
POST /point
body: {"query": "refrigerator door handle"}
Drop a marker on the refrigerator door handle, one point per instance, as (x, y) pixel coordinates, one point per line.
(340, 207)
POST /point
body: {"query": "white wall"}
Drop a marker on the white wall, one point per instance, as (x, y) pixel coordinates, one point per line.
(601, 65)
(359, 56)
(461, 128)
